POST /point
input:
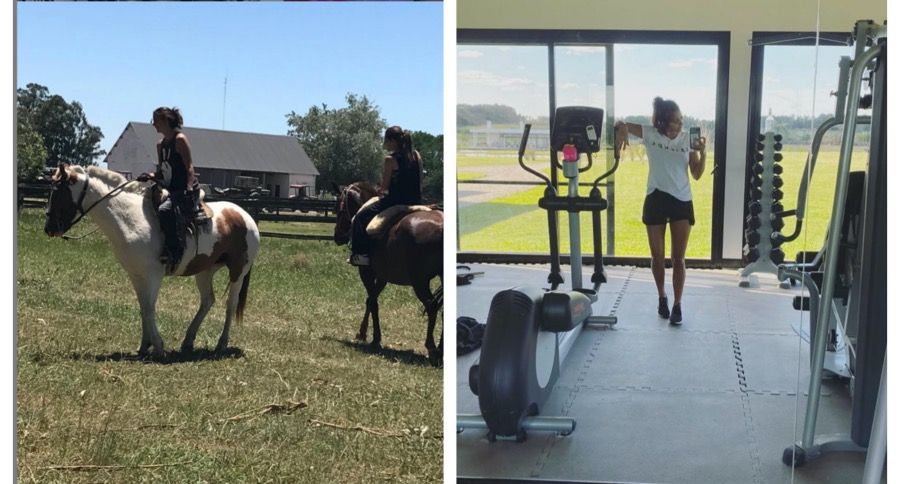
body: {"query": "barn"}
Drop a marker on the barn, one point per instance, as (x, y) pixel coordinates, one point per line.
(277, 161)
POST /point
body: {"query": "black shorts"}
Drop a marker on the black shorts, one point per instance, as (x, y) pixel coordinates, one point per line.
(661, 208)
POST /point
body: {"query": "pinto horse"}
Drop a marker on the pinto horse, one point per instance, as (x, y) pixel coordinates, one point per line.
(124, 212)
(410, 253)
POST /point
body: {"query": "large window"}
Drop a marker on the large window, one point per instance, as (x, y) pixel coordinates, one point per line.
(500, 88)
(504, 83)
(797, 86)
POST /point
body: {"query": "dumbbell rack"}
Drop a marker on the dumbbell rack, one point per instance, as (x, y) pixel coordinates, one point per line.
(762, 225)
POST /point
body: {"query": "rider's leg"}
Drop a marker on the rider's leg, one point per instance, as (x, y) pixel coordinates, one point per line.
(359, 240)
(169, 224)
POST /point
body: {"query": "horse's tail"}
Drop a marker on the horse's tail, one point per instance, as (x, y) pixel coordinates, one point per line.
(242, 297)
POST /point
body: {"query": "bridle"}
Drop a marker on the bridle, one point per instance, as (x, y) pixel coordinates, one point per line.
(82, 212)
(344, 207)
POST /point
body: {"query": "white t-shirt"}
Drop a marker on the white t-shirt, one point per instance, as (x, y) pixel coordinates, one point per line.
(668, 163)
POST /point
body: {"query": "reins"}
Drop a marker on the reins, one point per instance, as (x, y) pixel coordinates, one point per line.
(82, 211)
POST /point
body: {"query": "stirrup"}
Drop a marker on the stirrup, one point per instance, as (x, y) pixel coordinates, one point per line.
(170, 263)
(358, 259)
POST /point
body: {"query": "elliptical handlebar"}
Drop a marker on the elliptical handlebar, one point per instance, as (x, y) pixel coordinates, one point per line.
(608, 172)
(522, 155)
(589, 163)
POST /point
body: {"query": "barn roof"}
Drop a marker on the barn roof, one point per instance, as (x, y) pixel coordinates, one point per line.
(230, 150)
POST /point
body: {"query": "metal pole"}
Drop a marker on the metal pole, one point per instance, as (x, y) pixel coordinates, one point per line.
(831, 251)
(878, 438)
(610, 135)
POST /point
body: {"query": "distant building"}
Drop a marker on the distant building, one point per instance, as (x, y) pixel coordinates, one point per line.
(278, 161)
(490, 138)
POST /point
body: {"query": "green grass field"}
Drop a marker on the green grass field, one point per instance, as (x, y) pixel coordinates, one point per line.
(513, 223)
(294, 400)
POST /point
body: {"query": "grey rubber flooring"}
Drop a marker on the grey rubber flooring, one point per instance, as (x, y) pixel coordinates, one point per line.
(713, 401)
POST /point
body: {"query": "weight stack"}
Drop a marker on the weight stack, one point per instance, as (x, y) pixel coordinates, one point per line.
(762, 252)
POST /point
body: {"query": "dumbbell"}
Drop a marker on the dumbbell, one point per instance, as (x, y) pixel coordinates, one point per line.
(776, 239)
(776, 255)
(757, 169)
(753, 222)
(755, 193)
(777, 182)
(755, 208)
(752, 237)
(756, 181)
(777, 207)
(777, 137)
(777, 157)
(751, 253)
(777, 222)
(777, 194)
(777, 146)
(777, 169)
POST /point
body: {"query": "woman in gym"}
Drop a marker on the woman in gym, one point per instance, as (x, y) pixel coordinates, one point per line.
(668, 200)
(401, 177)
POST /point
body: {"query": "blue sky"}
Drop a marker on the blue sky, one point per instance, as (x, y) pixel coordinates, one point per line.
(122, 60)
(517, 76)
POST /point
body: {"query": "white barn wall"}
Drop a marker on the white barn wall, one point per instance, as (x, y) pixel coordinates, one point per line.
(128, 154)
(739, 18)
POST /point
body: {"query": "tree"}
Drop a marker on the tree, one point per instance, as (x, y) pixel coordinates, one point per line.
(479, 114)
(431, 148)
(344, 144)
(31, 155)
(63, 126)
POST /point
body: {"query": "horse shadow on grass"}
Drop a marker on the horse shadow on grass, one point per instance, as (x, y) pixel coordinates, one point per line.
(171, 357)
(408, 357)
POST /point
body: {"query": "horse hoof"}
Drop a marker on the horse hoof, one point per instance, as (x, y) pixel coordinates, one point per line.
(375, 345)
(221, 347)
(436, 358)
(360, 337)
(185, 348)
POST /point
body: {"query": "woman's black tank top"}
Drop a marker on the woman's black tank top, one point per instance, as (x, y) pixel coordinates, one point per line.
(171, 166)
(406, 184)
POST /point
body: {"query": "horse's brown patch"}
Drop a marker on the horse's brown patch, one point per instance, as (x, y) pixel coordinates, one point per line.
(208, 211)
(230, 249)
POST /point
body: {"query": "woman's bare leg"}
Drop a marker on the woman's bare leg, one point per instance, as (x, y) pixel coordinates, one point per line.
(681, 231)
(656, 235)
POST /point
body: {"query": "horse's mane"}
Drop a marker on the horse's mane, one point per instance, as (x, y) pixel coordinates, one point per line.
(112, 179)
(365, 186)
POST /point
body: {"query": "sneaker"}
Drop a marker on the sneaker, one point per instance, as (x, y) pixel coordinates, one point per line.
(359, 260)
(663, 308)
(676, 315)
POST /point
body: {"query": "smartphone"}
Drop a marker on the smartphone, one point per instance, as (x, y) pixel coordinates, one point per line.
(592, 137)
(695, 137)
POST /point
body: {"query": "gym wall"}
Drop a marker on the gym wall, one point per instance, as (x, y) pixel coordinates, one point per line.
(739, 18)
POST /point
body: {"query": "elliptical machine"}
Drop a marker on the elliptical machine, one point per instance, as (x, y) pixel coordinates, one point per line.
(530, 330)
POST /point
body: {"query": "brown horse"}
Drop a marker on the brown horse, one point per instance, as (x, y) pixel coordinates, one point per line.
(409, 254)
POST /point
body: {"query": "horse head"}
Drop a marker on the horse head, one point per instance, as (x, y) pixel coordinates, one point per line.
(350, 199)
(68, 185)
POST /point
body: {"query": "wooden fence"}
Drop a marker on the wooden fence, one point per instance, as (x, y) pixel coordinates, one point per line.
(261, 209)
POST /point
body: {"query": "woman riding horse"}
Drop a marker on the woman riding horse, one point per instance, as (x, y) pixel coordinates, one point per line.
(402, 176)
(175, 173)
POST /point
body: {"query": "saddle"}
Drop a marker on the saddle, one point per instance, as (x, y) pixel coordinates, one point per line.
(191, 212)
(379, 225)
